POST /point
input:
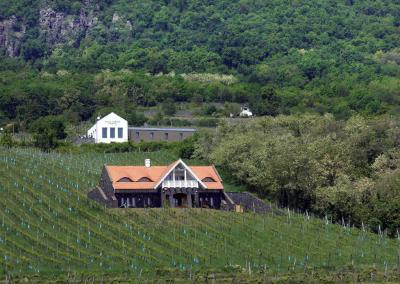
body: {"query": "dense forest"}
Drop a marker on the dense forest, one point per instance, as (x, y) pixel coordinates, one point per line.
(74, 58)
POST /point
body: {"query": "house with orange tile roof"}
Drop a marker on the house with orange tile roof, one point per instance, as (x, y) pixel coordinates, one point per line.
(174, 185)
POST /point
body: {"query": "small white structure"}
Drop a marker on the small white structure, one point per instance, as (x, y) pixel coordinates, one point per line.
(245, 112)
(109, 129)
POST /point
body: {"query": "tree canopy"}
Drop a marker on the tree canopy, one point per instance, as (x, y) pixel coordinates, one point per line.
(286, 57)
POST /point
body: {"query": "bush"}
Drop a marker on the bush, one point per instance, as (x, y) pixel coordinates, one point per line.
(136, 118)
(47, 130)
(207, 122)
(168, 107)
(6, 139)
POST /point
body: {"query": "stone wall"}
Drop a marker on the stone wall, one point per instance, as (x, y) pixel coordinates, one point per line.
(249, 202)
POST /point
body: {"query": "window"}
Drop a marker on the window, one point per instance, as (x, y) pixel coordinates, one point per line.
(104, 132)
(112, 132)
(181, 136)
(125, 179)
(166, 135)
(144, 179)
(137, 134)
(120, 132)
(152, 135)
(179, 173)
(208, 179)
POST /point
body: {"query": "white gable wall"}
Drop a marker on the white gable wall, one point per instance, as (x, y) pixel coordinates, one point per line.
(92, 132)
(110, 129)
(190, 180)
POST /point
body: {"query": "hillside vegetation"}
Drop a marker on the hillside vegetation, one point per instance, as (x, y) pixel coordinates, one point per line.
(347, 170)
(285, 57)
(49, 228)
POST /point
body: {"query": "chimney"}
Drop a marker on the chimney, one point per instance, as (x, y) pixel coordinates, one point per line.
(147, 163)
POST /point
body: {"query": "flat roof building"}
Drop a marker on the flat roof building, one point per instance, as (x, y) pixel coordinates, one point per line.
(114, 129)
(147, 134)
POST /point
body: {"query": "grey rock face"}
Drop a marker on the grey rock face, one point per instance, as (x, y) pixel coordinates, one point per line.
(58, 27)
(55, 27)
(11, 34)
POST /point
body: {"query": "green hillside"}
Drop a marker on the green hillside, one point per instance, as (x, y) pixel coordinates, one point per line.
(48, 228)
(75, 58)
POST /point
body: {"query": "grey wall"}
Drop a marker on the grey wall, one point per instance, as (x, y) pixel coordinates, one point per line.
(145, 135)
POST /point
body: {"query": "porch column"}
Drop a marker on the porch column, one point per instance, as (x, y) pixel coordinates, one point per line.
(162, 198)
(196, 200)
(171, 200)
(189, 200)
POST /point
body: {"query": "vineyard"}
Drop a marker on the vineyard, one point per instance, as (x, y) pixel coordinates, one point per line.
(48, 226)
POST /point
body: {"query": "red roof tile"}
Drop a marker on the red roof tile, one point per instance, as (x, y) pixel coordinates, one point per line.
(208, 171)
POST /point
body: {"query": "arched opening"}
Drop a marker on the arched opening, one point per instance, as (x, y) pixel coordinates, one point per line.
(208, 179)
(144, 179)
(125, 179)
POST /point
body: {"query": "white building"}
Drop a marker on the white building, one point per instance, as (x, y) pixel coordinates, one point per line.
(245, 112)
(109, 129)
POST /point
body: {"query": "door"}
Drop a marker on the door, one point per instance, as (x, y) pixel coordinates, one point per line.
(180, 200)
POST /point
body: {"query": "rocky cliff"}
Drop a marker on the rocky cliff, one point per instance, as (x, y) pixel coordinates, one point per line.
(11, 35)
(55, 27)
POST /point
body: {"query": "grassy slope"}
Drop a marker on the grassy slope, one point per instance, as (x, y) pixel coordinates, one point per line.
(48, 225)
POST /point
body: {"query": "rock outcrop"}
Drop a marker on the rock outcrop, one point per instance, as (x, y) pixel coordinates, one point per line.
(55, 27)
(11, 35)
(58, 27)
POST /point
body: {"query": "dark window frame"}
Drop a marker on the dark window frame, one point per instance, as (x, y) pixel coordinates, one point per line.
(120, 132)
(112, 132)
(104, 132)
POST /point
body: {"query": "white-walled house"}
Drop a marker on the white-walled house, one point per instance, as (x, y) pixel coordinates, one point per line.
(109, 129)
(245, 112)
(114, 129)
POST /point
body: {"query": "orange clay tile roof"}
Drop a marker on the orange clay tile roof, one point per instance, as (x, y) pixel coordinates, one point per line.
(208, 171)
(155, 174)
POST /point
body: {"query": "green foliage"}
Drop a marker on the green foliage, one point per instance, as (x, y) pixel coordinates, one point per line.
(47, 130)
(168, 107)
(183, 149)
(231, 108)
(136, 118)
(347, 170)
(280, 58)
(6, 139)
(45, 140)
(33, 49)
(209, 110)
(207, 122)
